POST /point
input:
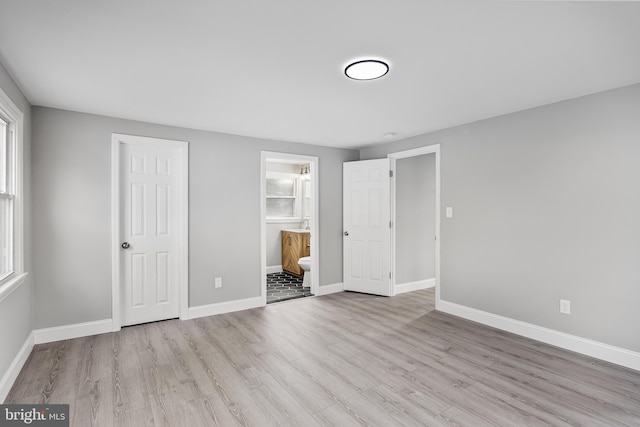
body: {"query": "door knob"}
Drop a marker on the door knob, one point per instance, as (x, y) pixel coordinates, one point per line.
(125, 245)
(346, 233)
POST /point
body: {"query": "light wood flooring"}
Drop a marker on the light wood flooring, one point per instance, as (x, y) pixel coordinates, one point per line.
(337, 360)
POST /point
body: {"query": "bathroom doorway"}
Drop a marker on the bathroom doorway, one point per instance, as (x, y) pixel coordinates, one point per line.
(289, 226)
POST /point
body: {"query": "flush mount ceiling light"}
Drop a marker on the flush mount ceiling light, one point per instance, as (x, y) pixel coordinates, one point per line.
(367, 69)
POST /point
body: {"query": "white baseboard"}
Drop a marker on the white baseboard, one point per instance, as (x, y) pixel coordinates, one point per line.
(9, 377)
(274, 269)
(414, 286)
(67, 332)
(330, 289)
(619, 356)
(224, 307)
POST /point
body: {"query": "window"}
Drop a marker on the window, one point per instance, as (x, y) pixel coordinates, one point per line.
(282, 196)
(10, 202)
(7, 196)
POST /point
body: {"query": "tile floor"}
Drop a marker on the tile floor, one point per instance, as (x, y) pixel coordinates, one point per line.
(283, 286)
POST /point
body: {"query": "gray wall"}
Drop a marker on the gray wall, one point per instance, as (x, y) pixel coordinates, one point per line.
(546, 206)
(72, 222)
(415, 218)
(16, 312)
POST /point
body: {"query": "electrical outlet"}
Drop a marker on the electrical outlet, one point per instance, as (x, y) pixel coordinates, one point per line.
(218, 282)
(565, 306)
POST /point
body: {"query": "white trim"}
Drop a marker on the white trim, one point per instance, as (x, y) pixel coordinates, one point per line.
(9, 377)
(183, 196)
(16, 116)
(283, 220)
(67, 332)
(606, 352)
(274, 269)
(330, 289)
(115, 234)
(11, 284)
(429, 149)
(401, 288)
(315, 216)
(223, 307)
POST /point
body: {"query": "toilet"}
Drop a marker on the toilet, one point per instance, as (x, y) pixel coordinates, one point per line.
(305, 264)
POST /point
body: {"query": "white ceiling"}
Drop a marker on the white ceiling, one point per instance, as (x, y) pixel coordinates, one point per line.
(274, 69)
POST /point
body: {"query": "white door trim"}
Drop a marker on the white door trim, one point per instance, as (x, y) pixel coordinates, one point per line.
(315, 219)
(429, 149)
(183, 233)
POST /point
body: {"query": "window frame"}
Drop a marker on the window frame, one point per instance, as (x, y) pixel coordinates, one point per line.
(14, 118)
(297, 207)
(7, 194)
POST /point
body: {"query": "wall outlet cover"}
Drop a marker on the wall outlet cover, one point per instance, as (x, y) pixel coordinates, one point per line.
(449, 212)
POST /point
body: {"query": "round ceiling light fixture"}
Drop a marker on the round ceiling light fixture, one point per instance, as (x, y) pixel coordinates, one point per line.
(368, 69)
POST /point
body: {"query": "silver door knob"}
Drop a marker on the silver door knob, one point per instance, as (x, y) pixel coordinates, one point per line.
(346, 233)
(125, 245)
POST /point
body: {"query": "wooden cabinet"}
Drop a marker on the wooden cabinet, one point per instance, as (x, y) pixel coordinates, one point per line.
(295, 245)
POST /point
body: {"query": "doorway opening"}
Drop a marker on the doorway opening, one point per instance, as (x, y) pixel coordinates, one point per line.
(289, 226)
(415, 212)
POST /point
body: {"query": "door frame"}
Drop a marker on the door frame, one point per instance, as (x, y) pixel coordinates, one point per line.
(183, 229)
(314, 223)
(429, 149)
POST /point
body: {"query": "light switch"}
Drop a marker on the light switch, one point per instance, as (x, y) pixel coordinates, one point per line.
(449, 212)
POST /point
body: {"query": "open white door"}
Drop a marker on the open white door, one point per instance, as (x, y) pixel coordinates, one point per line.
(366, 227)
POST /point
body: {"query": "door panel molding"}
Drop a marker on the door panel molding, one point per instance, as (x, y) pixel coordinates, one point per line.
(182, 148)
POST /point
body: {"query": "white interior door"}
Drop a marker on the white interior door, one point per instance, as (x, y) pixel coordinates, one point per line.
(150, 231)
(366, 227)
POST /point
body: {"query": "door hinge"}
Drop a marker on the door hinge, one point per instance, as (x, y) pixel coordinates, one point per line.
(389, 275)
(390, 224)
(390, 174)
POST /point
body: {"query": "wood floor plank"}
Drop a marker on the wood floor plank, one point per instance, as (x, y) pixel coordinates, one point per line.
(339, 360)
(542, 411)
(229, 390)
(304, 389)
(142, 417)
(402, 409)
(338, 415)
(130, 384)
(203, 343)
(281, 405)
(94, 406)
(341, 391)
(358, 377)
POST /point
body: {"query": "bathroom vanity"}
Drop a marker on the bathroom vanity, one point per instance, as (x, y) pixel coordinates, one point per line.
(295, 245)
